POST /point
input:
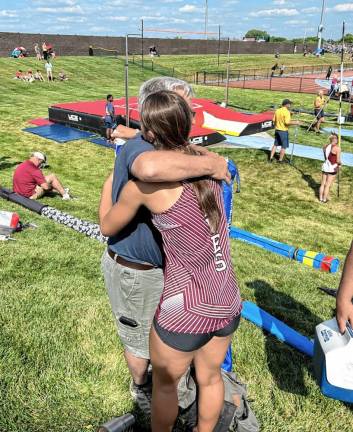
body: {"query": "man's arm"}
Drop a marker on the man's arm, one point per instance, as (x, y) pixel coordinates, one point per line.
(169, 166)
(344, 306)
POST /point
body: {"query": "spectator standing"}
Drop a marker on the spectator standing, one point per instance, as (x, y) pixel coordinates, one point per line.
(282, 120)
(49, 70)
(37, 51)
(45, 51)
(273, 69)
(329, 72)
(29, 180)
(319, 104)
(90, 51)
(109, 118)
(330, 167)
(334, 83)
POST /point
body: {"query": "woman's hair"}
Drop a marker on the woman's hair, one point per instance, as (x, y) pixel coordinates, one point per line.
(333, 136)
(166, 120)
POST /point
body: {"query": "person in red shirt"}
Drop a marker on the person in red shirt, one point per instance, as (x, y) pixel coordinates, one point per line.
(29, 180)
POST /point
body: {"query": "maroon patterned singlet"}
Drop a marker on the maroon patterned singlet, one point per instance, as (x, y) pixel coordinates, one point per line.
(200, 293)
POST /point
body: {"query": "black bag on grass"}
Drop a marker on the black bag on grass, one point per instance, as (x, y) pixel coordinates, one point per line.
(236, 415)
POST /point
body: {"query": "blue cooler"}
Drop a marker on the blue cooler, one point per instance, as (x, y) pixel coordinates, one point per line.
(333, 360)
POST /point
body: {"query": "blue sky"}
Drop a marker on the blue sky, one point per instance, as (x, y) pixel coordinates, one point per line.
(288, 18)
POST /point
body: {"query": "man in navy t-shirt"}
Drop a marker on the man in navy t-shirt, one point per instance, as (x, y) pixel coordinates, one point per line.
(132, 263)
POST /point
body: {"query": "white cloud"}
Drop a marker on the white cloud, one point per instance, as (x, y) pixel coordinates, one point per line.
(188, 8)
(8, 13)
(274, 12)
(313, 9)
(72, 19)
(118, 18)
(279, 2)
(67, 9)
(343, 7)
(296, 22)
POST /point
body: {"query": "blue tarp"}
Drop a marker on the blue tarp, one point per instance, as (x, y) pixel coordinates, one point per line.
(344, 132)
(59, 133)
(260, 143)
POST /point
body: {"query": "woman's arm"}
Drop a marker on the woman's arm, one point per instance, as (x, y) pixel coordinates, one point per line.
(115, 218)
(338, 153)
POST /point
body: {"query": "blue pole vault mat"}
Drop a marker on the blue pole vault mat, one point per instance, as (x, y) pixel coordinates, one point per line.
(104, 143)
(344, 132)
(58, 133)
(260, 143)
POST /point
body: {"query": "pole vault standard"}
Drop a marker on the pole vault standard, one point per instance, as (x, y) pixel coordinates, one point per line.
(127, 114)
(227, 80)
(340, 106)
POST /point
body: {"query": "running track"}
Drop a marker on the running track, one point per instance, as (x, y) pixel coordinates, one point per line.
(295, 84)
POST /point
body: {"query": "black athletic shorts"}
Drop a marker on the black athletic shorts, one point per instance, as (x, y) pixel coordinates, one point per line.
(319, 113)
(188, 342)
(329, 173)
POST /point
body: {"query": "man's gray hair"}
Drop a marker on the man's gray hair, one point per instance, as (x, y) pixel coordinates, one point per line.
(163, 83)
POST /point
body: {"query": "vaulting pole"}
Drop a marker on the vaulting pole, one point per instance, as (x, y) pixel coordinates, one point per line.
(127, 81)
(340, 106)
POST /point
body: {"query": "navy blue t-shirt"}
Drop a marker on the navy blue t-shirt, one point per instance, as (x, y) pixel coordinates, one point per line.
(139, 241)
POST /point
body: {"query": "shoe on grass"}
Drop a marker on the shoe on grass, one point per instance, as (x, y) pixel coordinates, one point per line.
(66, 195)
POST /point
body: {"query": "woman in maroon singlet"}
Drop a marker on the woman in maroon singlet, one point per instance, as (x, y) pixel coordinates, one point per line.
(332, 155)
(200, 305)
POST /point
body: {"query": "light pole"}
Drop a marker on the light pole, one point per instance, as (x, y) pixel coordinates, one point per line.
(321, 27)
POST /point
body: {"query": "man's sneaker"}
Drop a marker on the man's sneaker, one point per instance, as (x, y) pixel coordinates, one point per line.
(66, 195)
(142, 395)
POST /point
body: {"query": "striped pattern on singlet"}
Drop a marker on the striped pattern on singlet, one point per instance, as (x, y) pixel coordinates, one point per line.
(200, 292)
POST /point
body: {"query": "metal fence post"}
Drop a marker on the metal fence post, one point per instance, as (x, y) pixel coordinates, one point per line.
(244, 81)
(204, 77)
(271, 83)
(300, 84)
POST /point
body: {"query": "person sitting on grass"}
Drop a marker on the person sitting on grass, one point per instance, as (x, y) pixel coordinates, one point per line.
(344, 306)
(38, 75)
(19, 75)
(30, 182)
(63, 76)
(330, 167)
(29, 76)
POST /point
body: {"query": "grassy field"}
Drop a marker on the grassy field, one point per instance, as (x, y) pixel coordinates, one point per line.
(61, 365)
(188, 64)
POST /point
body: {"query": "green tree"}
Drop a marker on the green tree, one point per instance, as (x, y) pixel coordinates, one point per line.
(348, 38)
(278, 39)
(258, 34)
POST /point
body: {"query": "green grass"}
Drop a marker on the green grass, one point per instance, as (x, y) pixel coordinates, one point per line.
(61, 365)
(187, 64)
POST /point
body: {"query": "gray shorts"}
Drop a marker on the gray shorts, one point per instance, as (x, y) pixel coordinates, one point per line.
(133, 294)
